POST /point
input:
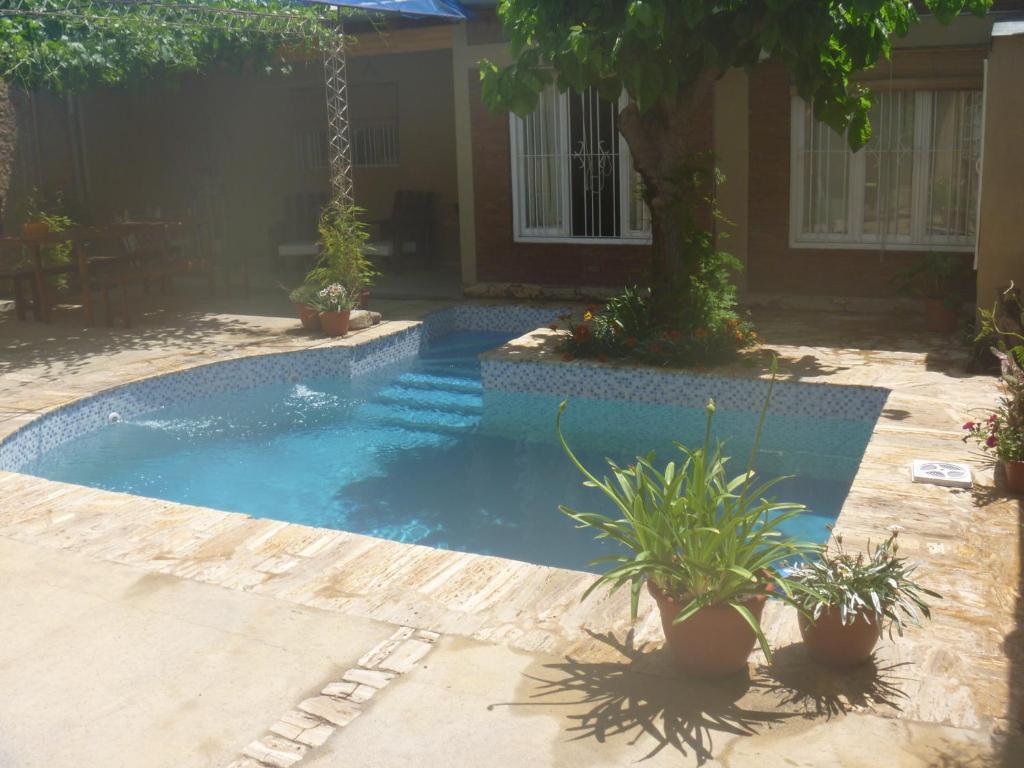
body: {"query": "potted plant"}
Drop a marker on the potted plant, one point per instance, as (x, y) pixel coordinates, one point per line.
(35, 228)
(848, 599)
(703, 542)
(335, 304)
(938, 278)
(305, 299)
(1002, 432)
(343, 236)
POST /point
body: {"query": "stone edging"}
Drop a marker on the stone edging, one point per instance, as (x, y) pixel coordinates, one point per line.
(313, 721)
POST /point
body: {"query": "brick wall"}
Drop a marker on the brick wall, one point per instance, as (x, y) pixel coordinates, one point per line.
(772, 266)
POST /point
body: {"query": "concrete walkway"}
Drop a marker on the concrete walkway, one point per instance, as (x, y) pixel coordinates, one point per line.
(106, 665)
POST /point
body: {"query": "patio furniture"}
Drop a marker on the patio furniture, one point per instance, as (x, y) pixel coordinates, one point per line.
(411, 231)
(153, 261)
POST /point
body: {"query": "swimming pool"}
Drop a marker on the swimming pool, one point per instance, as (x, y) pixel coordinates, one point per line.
(418, 451)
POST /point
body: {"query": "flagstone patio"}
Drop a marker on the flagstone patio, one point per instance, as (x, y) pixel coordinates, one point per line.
(142, 632)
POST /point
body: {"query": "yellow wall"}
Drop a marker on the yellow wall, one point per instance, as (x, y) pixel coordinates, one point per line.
(229, 138)
(426, 127)
(1001, 225)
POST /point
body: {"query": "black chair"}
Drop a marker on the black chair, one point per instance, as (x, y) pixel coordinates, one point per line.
(411, 231)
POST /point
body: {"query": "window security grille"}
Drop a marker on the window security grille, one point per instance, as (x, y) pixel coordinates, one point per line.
(375, 144)
(914, 185)
(572, 174)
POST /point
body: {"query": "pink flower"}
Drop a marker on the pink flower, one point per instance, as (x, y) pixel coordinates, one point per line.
(991, 441)
(969, 425)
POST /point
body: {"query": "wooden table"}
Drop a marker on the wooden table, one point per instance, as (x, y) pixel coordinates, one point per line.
(78, 237)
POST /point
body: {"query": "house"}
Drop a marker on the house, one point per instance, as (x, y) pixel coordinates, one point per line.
(549, 201)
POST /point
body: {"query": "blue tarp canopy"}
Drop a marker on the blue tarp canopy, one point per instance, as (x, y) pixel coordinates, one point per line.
(441, 9)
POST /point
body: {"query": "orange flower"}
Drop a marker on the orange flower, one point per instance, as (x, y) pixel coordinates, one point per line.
(588, 316)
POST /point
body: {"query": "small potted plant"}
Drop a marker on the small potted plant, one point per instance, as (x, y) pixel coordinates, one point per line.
(703, 542)
(939, 279)
(305, 299)
(849, 599)
(336, 304)
(1002, 432)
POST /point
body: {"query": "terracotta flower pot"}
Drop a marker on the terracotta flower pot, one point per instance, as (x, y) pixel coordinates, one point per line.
(309, 316)
(364, 299)
(831, 642)
(938, 317)
(334, 323)
(35, 229)
(714, 642)
(1014, 476)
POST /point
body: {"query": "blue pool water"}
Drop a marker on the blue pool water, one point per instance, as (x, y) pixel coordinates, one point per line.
(420, 453)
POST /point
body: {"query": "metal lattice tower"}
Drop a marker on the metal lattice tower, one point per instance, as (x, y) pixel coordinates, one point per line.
(321, 24)
(338, 145)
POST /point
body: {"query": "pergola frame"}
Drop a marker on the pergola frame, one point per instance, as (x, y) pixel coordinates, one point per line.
(319, 23)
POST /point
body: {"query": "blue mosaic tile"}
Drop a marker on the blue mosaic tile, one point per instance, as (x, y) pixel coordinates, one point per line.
(131, 400)
(691, 390)
(562, 379)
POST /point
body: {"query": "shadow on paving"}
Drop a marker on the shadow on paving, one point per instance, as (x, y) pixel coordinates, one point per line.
(646, 696)
(1013, 646)
(67, 345)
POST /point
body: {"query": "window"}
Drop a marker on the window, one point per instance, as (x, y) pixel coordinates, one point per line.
(310, 149)
(914, 184)
(572, 176)
(375, 143)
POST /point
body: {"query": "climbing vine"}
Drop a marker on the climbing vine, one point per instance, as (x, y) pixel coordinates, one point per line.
(74, 45)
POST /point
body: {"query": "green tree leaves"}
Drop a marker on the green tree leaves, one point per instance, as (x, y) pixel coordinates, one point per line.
(654, 49)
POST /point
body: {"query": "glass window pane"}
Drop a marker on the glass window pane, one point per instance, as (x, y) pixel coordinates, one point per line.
(826, 179)
(889, 167)
(540, 172)
(594, 165)
(953, 165)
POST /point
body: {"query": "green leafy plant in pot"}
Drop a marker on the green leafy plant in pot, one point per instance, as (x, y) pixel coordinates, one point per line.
(305, 298)
(703, 542)
(939, 279)
(848, 599)
(343, 236)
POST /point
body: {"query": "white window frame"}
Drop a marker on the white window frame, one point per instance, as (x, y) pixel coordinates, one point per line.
(855, 238)
(516, 138)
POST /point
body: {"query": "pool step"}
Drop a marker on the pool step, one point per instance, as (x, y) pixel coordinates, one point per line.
(450, 368)
(447, 383)
(417, 418)
(439, 399)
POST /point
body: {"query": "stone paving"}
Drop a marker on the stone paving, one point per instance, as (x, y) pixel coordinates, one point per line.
(962, 671)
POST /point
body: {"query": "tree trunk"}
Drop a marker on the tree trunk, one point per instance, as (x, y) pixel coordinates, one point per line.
(676, 187)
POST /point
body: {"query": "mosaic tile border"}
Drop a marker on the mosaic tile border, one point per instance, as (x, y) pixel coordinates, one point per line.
(577, 379)
(692, 390)
(136, 398)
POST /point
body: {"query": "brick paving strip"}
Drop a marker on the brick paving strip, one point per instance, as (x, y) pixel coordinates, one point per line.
(313, 721)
